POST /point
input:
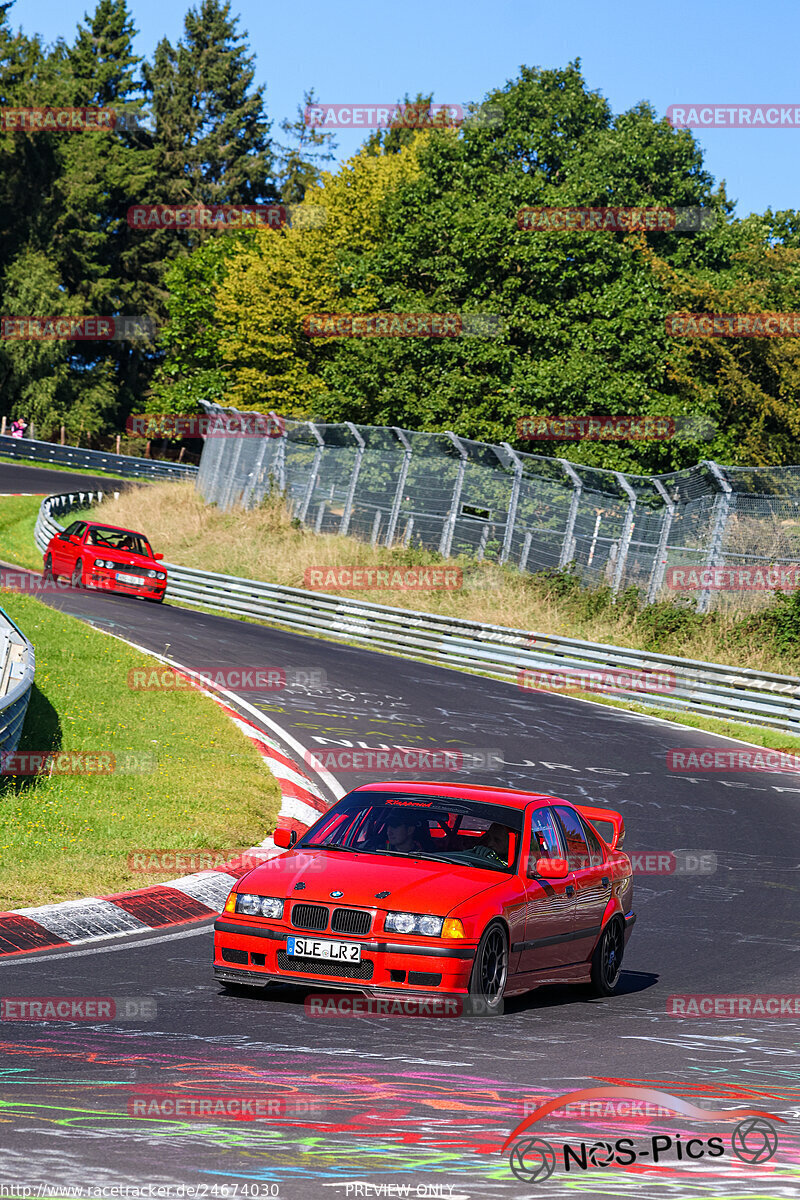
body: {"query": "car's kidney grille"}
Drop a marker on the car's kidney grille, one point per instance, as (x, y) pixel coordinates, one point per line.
(309, 916)
(318, 966)
(350, 920)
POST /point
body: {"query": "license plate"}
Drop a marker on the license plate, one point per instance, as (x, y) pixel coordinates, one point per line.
(122, 578)
(300, 947)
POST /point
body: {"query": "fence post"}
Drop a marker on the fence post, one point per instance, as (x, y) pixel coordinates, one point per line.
(230, 485)
(627, 533)
(449, 527)
(312, 479)
(513, 502)
(401, 484)
(567, 546)
(660, 560)
(351, 491)
(254, 474)
(526, 549)
(722, 508)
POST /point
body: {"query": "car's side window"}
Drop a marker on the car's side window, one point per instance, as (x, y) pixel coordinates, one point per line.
(545, 842)
(577, 850)
(68, 532)
(595, 849)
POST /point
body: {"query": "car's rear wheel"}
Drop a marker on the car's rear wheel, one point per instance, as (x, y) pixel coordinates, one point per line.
(49, 577)
(607, 959)
(490, 969)
(77, 575)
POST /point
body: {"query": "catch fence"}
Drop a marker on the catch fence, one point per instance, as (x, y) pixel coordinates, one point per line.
(393, 486)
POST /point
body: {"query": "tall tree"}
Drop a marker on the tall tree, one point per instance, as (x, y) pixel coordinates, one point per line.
(299, 162)
(212, 135)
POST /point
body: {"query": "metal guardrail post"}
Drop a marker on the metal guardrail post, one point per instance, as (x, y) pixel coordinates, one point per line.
(513, 502)
(312, 479)
(401, 484)
(446, 542)
(567, 546)
(627, 533)
(351, 490)
(722, 508)
(660, 560)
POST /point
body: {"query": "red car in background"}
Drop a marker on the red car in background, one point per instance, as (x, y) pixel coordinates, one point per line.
(106, 557)
(436, 889)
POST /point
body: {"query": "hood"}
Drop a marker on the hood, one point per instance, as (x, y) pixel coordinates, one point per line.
(414, 885)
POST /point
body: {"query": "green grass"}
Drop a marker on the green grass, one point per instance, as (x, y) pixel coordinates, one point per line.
(17, 521)
(69, 836)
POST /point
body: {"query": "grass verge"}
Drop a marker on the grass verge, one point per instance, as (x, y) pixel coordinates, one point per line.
(67, 836)
(17, 521)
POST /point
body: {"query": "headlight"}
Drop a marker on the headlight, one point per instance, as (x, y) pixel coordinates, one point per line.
(161, 574)
(101, 562)
(259, 906)
(400, 922)
(151, 575)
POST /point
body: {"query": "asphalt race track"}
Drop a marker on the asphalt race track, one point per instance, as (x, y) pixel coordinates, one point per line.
(425, 1104)
(39, 480)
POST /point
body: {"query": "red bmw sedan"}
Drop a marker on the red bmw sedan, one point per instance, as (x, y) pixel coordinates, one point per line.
(106, 557)
(436, 890)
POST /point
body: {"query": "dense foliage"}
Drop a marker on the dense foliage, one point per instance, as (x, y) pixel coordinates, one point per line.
(418, 221)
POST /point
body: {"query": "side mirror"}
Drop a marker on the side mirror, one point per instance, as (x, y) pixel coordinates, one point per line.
(550, 868)
(158, 557)
(285, 838)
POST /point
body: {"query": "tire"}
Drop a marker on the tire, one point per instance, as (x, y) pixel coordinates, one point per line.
(48, 575)
(607, 959)
(490, 969)
(77, 574)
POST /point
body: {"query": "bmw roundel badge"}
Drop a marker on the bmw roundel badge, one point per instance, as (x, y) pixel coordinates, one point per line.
(336, 895)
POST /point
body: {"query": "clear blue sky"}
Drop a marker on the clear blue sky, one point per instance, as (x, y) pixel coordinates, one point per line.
(371, 52)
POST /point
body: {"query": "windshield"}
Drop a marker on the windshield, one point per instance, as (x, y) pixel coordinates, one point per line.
(407, 826)
(118, 539)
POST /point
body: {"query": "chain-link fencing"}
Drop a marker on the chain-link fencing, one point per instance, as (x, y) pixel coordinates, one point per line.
(665, 534)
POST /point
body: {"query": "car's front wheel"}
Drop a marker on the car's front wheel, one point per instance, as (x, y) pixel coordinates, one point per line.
(490, 969)
(77, 575)
(607, 959)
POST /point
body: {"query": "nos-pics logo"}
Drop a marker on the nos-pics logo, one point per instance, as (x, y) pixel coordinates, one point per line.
(533, 1159)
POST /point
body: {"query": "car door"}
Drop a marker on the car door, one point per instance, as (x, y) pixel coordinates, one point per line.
(73, 547)
(549, 903)
(592, 879)
(63, 552)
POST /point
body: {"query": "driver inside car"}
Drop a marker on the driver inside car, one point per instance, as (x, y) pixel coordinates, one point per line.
(400, 834)
(493, 844)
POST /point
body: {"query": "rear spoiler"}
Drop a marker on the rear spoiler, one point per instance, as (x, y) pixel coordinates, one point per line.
(609, 824)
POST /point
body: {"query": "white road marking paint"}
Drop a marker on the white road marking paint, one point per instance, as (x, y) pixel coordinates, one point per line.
(209, 887)
(78, 920)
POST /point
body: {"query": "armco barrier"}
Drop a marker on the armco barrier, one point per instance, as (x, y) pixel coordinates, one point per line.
(707, 688)
(27, 449)
(17, 666)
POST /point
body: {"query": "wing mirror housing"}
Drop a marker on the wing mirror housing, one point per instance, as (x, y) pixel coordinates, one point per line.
(158, 557)
(551, 868)
(285, 838)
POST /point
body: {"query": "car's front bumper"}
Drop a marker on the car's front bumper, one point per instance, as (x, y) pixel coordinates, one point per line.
(254, 954)
(152, 588)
